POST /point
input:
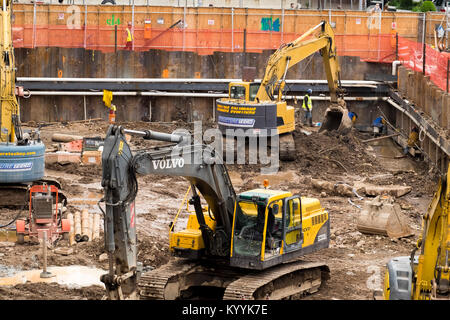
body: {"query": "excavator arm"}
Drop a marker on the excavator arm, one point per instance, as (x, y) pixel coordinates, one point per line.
(427, 275)
(9, 115)
(292, 53)
(196, 162)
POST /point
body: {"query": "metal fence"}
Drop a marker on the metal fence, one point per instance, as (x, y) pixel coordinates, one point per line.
(371, 36)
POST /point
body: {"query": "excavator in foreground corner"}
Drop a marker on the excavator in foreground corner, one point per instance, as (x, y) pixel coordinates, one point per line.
(426, 276)
(254, 108)
(234, 246)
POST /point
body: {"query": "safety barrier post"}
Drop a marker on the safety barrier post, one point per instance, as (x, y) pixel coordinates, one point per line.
(184, 24)
(448, 67)
(232, 29)
(34, 24)
(85, 24)
(396, 46)
(424, 57)
(115, 38)
(282, 24)
(132, 27)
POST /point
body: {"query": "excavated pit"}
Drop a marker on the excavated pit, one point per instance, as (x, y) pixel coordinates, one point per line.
(351, 257)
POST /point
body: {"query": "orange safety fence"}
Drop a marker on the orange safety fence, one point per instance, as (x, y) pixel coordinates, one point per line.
(411, 55)
(369, 47)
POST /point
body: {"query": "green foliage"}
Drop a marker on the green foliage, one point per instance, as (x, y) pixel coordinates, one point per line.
(394, 3)
(406, 4)
(427, 6)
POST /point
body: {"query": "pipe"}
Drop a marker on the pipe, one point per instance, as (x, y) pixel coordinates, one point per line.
(85, 225)
(77, 225)
(394, 66)
(183, 94)
(72, 230)
(182, 80)
(391, 102)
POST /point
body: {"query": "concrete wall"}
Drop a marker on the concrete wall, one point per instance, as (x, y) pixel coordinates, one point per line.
(80, 63)
(427, 97)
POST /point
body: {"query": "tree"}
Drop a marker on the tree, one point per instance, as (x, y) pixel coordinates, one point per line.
(406, 4)
(427, 6)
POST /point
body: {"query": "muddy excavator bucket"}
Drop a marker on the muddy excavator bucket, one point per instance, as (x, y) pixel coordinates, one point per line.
(336, 118)
(384, 217)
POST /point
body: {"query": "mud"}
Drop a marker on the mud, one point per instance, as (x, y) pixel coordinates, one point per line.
(356, 260)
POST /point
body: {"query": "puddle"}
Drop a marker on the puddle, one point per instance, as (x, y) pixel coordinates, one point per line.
(72, 276)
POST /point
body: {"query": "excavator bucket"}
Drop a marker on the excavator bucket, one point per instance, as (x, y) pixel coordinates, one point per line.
(384, 217)
(336, 119)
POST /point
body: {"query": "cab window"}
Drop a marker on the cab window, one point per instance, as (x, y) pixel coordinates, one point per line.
(254, 87)
(237, 92)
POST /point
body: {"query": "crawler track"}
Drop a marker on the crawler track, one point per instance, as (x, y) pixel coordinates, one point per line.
(290, 280)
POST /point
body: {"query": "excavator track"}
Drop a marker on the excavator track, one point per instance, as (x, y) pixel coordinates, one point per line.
(153, 284)
(290, 280)
(15, 195)
(286, 281)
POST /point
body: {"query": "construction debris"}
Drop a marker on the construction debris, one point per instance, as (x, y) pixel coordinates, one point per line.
(63, 251)
(60, 137)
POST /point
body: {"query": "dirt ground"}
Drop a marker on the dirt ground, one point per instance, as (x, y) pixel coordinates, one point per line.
(356, 260)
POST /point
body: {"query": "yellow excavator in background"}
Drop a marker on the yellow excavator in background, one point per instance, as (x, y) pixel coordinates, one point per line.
(426, 276)
(234, 246)
(260, 108)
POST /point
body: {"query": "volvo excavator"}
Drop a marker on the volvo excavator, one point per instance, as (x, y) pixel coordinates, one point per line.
(21, 153)
(425, 276)
(234, 246)
(260, 109)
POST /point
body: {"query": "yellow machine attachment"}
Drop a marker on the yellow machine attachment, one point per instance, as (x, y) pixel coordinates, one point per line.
(9, 116)
(383, 216)
(426, 276)
(189, 242)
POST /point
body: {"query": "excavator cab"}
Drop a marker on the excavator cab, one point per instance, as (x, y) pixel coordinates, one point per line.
(270, 228)
(243, 90)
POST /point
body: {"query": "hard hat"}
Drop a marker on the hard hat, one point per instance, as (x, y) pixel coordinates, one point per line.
(309, 91)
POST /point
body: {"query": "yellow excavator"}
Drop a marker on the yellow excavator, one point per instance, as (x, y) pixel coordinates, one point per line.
(234, 246)
(425, 276)
(260, 109)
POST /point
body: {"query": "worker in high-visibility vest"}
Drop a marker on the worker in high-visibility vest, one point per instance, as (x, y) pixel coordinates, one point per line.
(130, 38)
(307, 108)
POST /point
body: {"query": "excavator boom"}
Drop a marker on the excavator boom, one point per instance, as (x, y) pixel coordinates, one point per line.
(292, 53)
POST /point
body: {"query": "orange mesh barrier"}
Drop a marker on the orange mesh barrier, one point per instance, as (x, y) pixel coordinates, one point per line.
(374, 48)
(410, 53)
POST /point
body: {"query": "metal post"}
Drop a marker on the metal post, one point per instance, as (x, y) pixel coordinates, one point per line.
(245, 47)
(396, 46)
(282, 24)
(424, 58)
(184, 24)
(424, 30)
(84, 108)
(448, 67)
(232, 29)
(45, 273)
(115, 38)
(132, 27)
(34, 24)
(85, 25)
